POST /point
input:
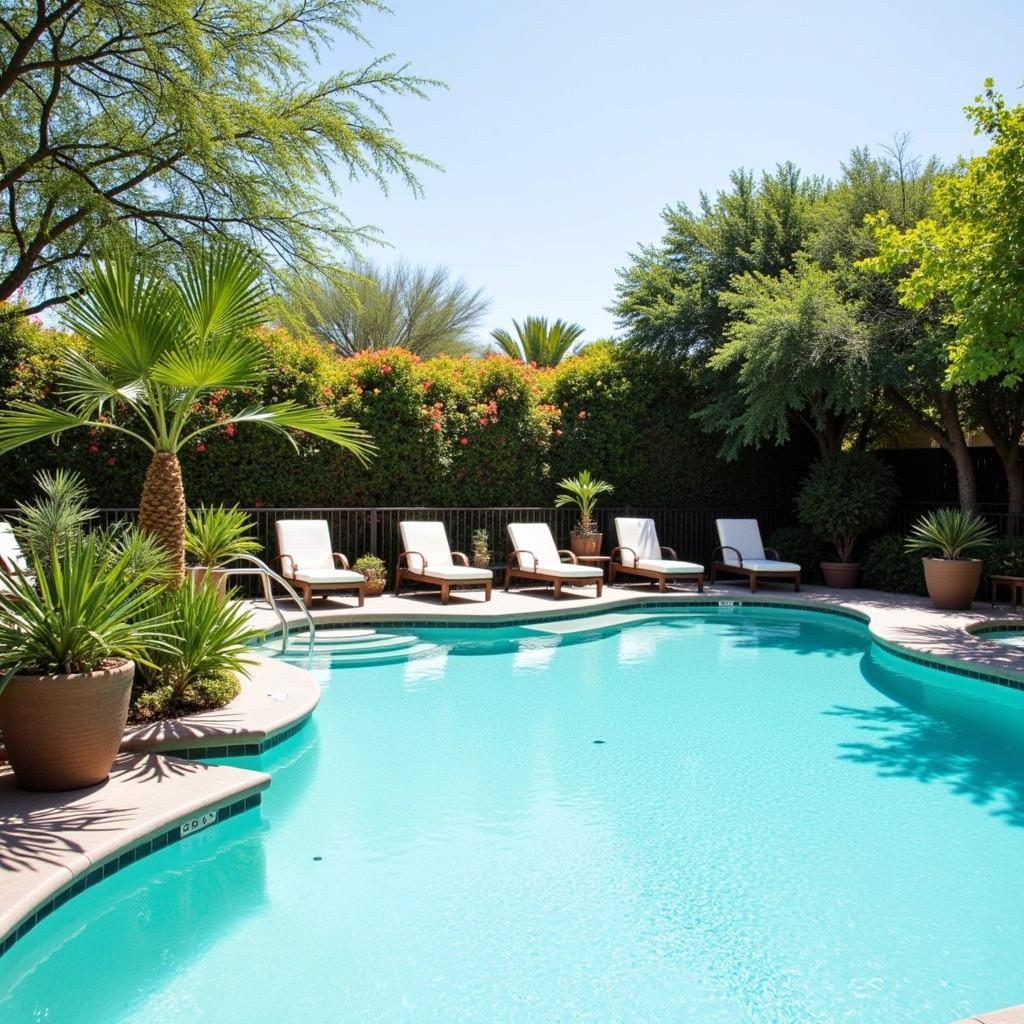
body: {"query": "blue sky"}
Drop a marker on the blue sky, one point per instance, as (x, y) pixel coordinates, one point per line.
(569, 124)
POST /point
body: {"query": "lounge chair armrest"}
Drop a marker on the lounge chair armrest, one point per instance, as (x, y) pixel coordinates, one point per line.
(518, 556)
(461, 557)
(772, 553)
(286, 572)
(727, 547)
(340, 559)
(572, 557)
(618, 551)
(671, 552)
(405, 556)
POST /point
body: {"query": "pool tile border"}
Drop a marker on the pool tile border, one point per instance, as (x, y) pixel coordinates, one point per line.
(215, 749)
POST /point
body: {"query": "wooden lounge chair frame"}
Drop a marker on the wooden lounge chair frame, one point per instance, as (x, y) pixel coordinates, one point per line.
(519, 571)
(718, 566)
(307, 589)
(404, 574)
(620, 568)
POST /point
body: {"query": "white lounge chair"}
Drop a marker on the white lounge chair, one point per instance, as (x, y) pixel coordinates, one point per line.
(535, 557)
(12, 558)
(427, 558)
(308, 563)
(641, 555)
(742, 554)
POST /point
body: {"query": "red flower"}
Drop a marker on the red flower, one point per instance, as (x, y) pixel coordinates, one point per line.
(583, 414)
(483, 421)
(200, 447)
(426, 385)
(94, 448)
(436, 426)
(257, 503)
(111, 461)
(463, 440)
(385, 368)
(230, 430)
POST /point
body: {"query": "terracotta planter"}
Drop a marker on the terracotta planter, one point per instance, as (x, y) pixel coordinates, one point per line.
(218, 577)
(374, 588)
(952, 582)
(585, 543)
(841, 575)
(63, 732)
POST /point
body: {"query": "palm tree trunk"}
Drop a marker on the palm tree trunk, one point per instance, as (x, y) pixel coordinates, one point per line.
(162, 508)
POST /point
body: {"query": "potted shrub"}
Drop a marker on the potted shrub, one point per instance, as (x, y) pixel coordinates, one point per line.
(375, 571)
(70, 637)
(841, 498)
(951, 576)
(481, 550)
(583, 492)
(213, 537)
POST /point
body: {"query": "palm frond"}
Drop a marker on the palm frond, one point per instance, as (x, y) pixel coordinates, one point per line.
(86, 389)
(223, 293)
(231, 361)
(23, 422)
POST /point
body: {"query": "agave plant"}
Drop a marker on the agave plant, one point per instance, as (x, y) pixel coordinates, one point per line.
(952, 532)
(538, 342)
(159, 346)
(214, 536)
(583, 492)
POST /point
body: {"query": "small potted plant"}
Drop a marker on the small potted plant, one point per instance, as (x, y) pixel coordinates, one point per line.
(213, 537)
(842, 498)
(583, 492)
(71, 634)
(375, 571)
(951, 576)
(481, 550)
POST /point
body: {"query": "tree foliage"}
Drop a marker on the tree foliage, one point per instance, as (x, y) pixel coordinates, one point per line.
(538, 342)
(421, 310)
(158, 125)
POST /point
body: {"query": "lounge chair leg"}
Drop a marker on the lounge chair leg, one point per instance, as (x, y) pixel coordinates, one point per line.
(700, 584)
(558, 589)
(444, 593)
(487, 591)
(796, 582)
(398, 582)
(508, 579)
(361, 591)
(753, 582)
(307, 595)
(661, 584)
(611, 574)
(600, 585)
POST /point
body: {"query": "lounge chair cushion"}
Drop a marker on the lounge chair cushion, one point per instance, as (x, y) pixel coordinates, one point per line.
(640, 536)
(426, 539)
(670, 567)
(458, 573)
(535, 538)
(307, 542)
(565, 570)
(742, 534)
(326, 576)
(769, 565)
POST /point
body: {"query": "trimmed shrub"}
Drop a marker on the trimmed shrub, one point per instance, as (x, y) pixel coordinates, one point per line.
(797, 544)
(889, 566)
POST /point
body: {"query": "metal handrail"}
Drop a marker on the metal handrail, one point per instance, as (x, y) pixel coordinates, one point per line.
(267, 575)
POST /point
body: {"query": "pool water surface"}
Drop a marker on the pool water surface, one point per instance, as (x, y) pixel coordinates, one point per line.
(741, 815)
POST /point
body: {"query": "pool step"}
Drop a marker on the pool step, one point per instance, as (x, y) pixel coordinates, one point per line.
(342, 646)
(356, 644)
(586, 624)
(384, 656)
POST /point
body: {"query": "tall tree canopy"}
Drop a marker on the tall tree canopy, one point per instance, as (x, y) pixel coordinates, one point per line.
(423, 310)
(154, 124)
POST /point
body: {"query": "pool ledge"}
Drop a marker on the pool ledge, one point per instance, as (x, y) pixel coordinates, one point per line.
(55, 845)
(905, 625)
(1011, 1015)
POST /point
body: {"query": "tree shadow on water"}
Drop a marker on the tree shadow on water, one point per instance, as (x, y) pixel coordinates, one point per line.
(936, 733)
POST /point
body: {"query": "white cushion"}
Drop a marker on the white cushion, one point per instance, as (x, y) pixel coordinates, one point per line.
(769, 565)
(535, 538)
(461, 573)
(742, 534)
(426, 539)
(670, 567)
(567, 570)
(10, 549)
(640, 536)
(307, 542)
(329, 576)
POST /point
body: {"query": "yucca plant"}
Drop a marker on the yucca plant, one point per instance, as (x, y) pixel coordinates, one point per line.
(80, 610)
(952, 532)
(45, 523)
(214, 536)
(159, 346)
(583, 492)
(538, 342)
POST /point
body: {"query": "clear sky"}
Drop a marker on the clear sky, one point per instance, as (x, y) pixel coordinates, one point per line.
(569, 124)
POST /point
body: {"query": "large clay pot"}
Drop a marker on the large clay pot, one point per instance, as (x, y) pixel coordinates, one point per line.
(63, 732)
(841, 575)
(585, 543)
(218, 577)
(952, 582)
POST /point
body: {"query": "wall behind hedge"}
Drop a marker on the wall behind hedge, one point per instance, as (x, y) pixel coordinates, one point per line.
(471, 432)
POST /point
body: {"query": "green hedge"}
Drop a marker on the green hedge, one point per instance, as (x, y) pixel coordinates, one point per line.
(469, 431)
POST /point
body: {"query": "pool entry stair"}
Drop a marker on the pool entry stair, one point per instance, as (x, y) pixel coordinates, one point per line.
(351, 646)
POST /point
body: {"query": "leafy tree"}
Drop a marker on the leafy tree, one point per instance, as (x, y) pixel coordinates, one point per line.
(157, 125)
(421, 310)
(157, 348)
(537, 341)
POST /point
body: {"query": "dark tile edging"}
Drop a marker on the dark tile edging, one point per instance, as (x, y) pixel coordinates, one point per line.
(217, 748)
(141, 849)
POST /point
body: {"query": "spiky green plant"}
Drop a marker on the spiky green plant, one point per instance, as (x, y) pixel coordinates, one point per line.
(538, 342)
(62, 510)
(952, 532)
(214, 536)
(583, 492)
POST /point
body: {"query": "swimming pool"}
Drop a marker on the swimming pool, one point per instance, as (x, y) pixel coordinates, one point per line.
(733, 815)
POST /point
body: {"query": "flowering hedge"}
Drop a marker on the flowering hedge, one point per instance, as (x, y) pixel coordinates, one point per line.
(469, 431)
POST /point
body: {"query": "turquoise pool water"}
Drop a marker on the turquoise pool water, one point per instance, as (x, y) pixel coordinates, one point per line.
(780, 825)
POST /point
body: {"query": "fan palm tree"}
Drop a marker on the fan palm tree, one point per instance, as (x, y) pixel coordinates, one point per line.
(537, 341)
(160, 345)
